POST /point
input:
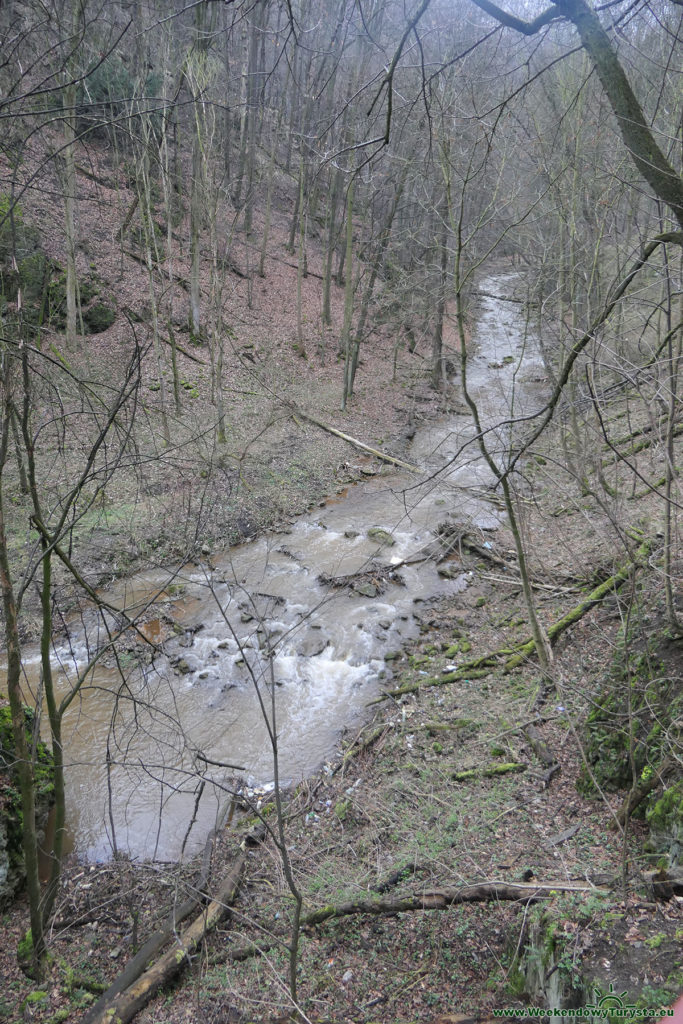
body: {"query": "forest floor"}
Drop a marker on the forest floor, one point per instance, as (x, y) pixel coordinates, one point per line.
(387, 818)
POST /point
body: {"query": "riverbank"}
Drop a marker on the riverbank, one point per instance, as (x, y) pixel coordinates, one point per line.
(419, 802)
(447, 787)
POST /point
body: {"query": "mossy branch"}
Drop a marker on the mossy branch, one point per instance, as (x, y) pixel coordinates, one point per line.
(490, 772)
(513, 656)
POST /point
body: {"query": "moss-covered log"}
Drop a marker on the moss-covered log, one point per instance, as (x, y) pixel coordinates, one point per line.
(439, 899)
(490, 771)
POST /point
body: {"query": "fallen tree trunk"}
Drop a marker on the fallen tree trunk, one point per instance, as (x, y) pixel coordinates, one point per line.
(640, 446)
(137, 964)
(431, 899)
(135, 317)
(123, 1007)
(195, 359)
(358, 444)
(490, 772)
(139, 258)
(439, 899)
(515, 655)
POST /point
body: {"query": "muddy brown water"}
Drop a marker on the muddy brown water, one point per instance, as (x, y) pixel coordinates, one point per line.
(149, 758)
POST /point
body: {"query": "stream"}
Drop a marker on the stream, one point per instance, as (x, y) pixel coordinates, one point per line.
(150, 762)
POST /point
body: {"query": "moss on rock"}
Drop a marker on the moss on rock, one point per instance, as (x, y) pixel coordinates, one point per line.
(12, 874)
(665, 818)
(98, 318)
(628, 724)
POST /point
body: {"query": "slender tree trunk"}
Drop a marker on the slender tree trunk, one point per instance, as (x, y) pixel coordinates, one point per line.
(331, 245)
(348, 297)
(150, 243)
(196, 214)
(674, 356)
(269, 205)
(294, 223)
(57, 852)
(21, 747)
(69, 117)
(300, 263)
(252, 100)
(165, 172)
(244, 117)
(437, 338)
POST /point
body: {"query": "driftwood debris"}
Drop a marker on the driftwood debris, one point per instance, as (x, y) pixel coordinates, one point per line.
(376, 578)
(126, 1003)
(358, 444)
(369, 736)
(454, 537)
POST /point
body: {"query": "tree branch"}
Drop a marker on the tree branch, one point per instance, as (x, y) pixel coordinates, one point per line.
(528, 28)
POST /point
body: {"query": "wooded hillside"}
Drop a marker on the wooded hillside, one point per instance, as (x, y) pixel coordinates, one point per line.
(244, 252)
